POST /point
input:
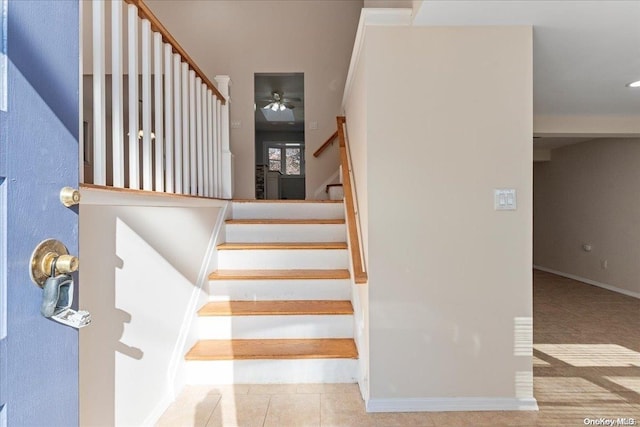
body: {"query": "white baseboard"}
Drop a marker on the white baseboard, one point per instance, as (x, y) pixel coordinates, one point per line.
(589, 281)
(437, 404)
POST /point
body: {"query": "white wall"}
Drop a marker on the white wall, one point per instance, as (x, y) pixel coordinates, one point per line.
(590, 193)
(448, 119)
(142, 266)
(240, 38)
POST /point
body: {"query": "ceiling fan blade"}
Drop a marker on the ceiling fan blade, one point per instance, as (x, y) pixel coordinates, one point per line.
(292, 100)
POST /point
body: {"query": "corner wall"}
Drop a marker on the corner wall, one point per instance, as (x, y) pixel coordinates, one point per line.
(590, 193)
(143, 262)
(448, 120)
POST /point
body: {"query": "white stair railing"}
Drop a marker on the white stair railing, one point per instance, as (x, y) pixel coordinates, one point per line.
(176, 135)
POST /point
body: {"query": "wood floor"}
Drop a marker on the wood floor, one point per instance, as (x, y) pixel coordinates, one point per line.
(586, 366)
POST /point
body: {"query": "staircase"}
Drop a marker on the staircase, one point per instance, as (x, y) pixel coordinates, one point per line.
(279, 307)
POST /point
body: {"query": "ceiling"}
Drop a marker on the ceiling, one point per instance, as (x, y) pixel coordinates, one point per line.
(290, 85)
(584, 52)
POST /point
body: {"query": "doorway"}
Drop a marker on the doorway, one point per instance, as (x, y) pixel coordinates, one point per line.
(279, 136)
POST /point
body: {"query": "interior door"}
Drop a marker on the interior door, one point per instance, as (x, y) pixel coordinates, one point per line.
(38, 156)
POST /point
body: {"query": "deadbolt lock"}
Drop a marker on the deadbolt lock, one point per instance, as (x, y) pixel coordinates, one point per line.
(43, 257)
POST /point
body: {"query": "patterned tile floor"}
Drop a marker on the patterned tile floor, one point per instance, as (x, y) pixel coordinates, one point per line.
(586, 367)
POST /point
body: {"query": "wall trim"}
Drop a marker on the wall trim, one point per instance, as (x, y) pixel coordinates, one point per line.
(177, 357)
(589, 281)
(370, 17)
(179, 349)
(437, 404)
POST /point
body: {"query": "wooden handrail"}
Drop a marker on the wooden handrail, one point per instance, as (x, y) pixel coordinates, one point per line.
(145, 13)
(326, 144)
(359, 274)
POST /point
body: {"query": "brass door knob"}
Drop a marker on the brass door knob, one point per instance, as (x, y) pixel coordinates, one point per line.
(44, 255)
(69, 196)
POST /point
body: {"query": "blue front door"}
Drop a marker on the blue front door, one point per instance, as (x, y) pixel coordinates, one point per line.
(39, 125)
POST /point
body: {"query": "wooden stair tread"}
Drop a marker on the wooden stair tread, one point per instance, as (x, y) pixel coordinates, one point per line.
(282, 308)
(278, 274)
(331, 348)
(285, 221)
(283, 245)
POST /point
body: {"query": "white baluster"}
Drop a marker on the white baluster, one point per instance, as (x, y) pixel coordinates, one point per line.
(168, 113)
(134, 162)
(227, 157)
(210, 156)
(192, 134)
(147, 177)
(158, 124)
(177, 120)
(199, 150)
(219, 147)
(185, 129)
(205, 139)
(99, 97)
(117, 99)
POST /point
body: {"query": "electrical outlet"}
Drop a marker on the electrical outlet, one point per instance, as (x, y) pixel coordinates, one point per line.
(604, 264)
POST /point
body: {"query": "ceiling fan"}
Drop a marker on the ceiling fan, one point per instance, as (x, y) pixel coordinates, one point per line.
(278, 102)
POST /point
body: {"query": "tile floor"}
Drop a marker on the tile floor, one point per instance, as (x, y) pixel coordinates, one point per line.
(586, 365)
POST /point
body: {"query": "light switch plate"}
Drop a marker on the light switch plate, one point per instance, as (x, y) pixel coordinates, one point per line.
(236, 124)
(505, 199)
(313, 125)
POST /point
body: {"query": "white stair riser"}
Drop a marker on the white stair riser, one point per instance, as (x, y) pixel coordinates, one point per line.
(263, 371)
(288, 210)
(273, 327)
(256, 233)
(273, 290)
(258, 259)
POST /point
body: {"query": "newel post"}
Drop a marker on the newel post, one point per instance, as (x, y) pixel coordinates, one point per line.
(223, 83)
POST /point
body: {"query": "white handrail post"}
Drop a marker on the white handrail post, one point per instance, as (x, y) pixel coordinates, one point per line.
(223, 83)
